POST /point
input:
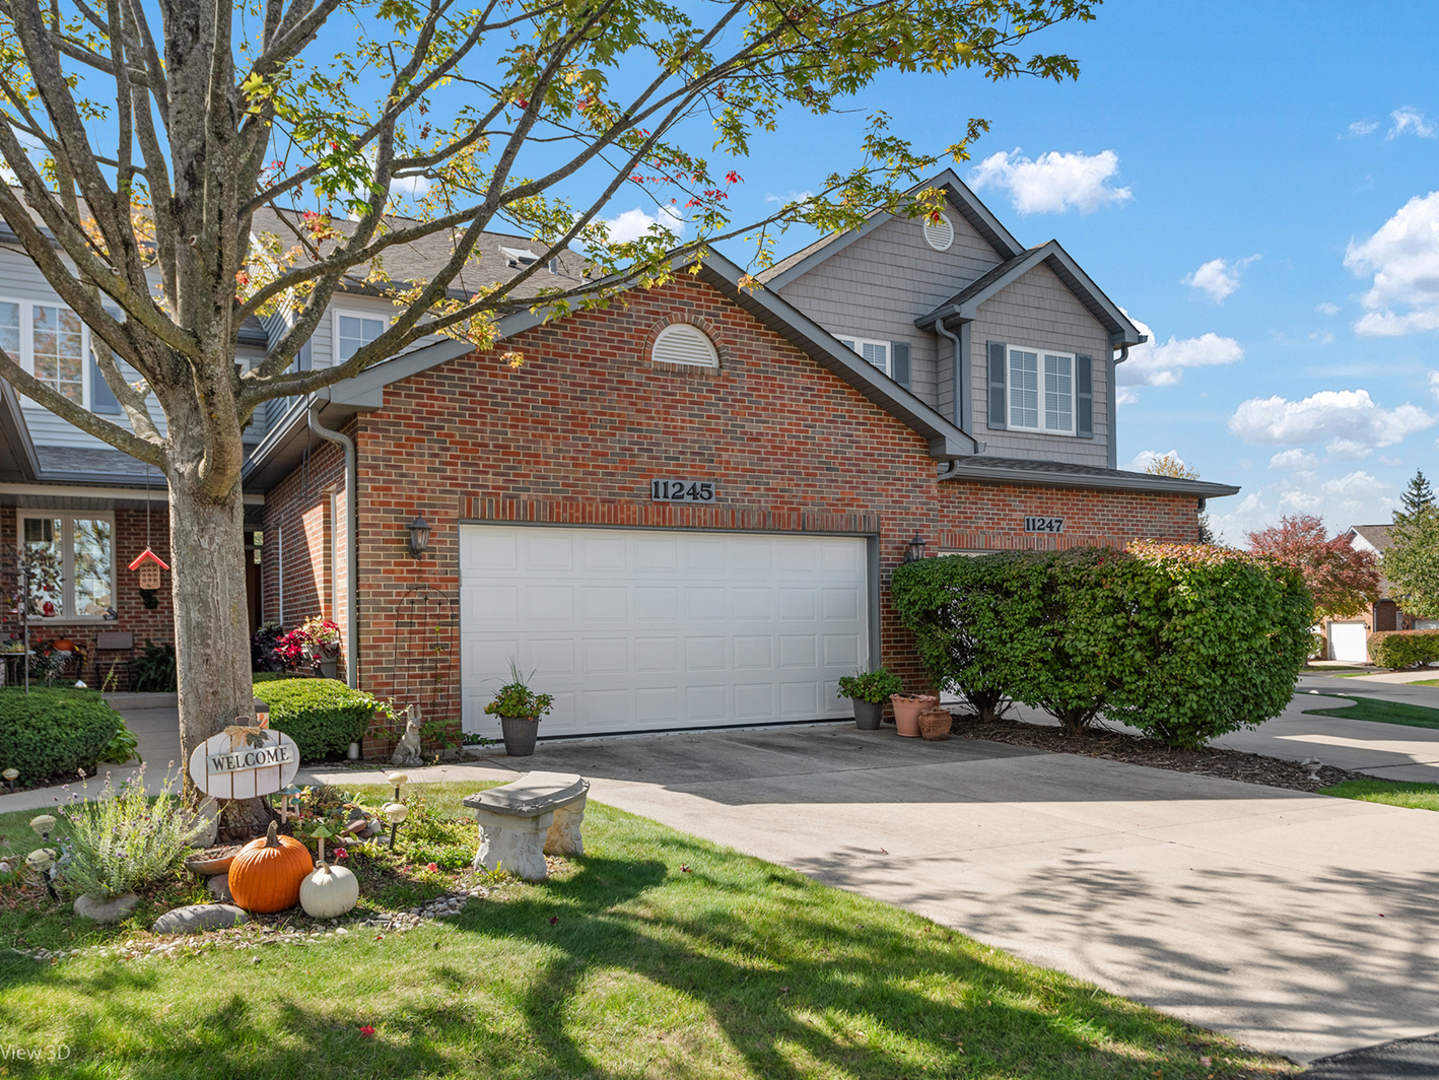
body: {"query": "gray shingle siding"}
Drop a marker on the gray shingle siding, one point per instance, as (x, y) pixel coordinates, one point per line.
(875, 287)
(1038, 312)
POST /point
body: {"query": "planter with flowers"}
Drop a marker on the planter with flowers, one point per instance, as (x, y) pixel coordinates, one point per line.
(870, 690)
(315, 644)
(519, 709)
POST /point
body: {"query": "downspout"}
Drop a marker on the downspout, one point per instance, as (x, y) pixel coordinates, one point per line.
(352, 528)
(958, 389)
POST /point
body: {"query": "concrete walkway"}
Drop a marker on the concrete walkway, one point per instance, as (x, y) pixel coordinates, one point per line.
(1297, 923)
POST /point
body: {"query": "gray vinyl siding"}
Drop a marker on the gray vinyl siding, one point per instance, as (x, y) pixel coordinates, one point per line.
(877, 286)
(1038, 312)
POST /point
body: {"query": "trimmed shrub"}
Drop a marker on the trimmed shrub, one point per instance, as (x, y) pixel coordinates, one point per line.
(323, 716)
(53, 732)
(275, 676)
(1404, 648)
(1185, 642)
(1213, 642)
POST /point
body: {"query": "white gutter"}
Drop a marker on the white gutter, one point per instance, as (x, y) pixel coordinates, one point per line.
(352, 566)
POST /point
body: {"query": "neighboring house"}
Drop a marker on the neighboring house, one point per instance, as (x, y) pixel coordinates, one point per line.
(1349, 638)
(683, 510)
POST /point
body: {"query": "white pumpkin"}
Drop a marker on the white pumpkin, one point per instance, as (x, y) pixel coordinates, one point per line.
(329, 891)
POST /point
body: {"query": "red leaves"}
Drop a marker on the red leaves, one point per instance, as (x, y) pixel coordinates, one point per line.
(1341, 579)
(732, 177)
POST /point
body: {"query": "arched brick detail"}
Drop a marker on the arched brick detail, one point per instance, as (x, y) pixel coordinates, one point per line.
(701, 324)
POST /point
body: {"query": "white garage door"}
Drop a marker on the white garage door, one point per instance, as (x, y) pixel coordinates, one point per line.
(656, 630)
(1349, 641)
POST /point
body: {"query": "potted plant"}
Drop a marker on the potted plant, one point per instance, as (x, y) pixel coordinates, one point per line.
(519, 709)
(907, 708)
(869, 691)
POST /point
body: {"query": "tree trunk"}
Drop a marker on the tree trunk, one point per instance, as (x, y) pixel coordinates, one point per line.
(212, 651)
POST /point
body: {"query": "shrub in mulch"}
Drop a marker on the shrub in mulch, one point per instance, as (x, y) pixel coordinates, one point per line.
(1102, 742)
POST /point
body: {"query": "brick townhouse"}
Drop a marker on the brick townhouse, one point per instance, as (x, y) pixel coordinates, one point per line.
(682, 511)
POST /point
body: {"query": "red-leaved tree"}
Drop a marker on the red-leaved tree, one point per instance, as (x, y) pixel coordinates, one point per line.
(1342, 580)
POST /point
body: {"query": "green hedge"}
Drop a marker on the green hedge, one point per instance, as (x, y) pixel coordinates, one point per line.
(1404, 648)
(1185, 642)
(53, 732)
(276, 676)
(323, 716)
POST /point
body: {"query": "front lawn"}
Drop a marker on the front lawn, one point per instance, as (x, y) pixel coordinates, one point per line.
(655, 954)
(1384, 712)
(1415, 796)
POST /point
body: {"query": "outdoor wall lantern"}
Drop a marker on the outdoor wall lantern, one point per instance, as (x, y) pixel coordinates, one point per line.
(914, 551)
(419, 537)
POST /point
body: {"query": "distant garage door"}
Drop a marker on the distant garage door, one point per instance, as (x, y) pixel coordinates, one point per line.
(1349, 641)
(650, 630)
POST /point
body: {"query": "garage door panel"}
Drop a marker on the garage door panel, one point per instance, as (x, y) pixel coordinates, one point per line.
(550, 603)
(705, 654)
(489, 607)
(645, 630)
(795, 603)
(706, 704)
(606, 656)
(705, 602)
(751, 652)
(657, 654)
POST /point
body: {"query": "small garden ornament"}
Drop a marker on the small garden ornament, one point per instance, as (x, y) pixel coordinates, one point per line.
(395, 813)
(329, 891)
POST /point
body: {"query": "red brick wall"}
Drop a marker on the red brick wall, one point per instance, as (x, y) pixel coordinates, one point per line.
(576, 434)
(299, 529)
(156, 625)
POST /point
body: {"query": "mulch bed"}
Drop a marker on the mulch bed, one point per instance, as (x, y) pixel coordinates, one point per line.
(1102, 742)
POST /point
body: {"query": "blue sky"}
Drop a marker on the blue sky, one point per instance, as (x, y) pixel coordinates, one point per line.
(1251, 182)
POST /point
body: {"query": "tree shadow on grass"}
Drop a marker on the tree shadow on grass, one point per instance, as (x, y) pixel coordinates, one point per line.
(628, 966)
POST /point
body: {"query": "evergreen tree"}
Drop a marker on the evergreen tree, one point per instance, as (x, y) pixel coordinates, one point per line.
(1419, 496)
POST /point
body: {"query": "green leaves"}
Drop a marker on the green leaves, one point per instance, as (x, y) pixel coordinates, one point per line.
(1185, 642)
(1411, 562)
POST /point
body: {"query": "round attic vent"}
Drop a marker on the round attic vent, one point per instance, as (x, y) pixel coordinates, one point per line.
(938, 232)
(682, 343)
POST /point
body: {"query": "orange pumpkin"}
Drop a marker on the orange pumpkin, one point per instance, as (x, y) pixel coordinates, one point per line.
(63, 645)
(266, 875)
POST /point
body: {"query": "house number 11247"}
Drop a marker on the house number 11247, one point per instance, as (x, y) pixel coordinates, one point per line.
(688, 491)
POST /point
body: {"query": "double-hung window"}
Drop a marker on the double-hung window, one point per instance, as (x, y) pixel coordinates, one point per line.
(353, 332)
(1041, 391)
(874, 352)
(50, 342)
(73, 556)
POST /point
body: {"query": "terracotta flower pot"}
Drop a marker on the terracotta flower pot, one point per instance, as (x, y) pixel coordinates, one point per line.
(907, 708)
(935, 723)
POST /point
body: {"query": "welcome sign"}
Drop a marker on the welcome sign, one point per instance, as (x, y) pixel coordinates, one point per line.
(231, 767)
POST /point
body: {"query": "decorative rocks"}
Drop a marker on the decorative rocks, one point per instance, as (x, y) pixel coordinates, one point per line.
(103, 912)
(219, 887)
(197, 918)
(519, 822)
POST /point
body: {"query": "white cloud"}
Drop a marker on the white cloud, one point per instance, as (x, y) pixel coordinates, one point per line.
(1403, 257)
(1363, 127)
(1218, 277)
(1350, 499)
(1434, 383)
(1293, 459)
(1327, 309)
(409, 187)
(1125, 396)
(1324, 337)
(792, 197)
(1053, 182)
(1409, 119)
(632, 224)
(1152, 364)
(1351, 422)
(1145, 458)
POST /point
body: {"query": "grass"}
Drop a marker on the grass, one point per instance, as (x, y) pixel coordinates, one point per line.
(1414, 796)
(655, 954)
(1384, 712)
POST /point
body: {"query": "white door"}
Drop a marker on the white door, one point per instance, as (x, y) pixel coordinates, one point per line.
(654, 630)
(1349, 641)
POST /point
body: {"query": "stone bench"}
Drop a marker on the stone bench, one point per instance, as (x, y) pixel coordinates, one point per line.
(539, 813)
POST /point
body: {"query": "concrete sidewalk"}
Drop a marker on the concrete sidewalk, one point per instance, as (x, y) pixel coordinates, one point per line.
(1297, 923)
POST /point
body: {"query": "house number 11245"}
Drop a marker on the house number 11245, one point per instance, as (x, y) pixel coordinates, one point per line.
(687, 491)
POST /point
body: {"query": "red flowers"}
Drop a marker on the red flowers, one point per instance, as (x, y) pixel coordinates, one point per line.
(366, 1031)
(432, 867)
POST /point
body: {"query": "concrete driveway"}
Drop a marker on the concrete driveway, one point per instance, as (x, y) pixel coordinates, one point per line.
(1300, 924)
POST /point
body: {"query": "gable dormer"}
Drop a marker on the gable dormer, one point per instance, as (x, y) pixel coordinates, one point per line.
(966, 318)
